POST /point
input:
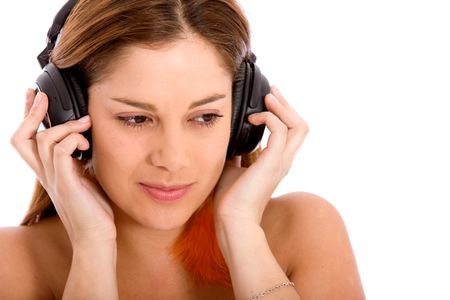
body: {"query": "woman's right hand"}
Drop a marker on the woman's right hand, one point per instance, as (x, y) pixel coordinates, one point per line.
(79, 200)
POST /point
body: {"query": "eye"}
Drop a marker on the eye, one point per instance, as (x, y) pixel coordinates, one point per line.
(135, 121)
(207, 120)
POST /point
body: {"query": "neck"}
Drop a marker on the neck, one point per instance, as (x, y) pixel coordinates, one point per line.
(144, 256)
(140, 242)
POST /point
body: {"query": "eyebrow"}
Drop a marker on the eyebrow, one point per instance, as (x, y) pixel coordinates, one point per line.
(151, 107)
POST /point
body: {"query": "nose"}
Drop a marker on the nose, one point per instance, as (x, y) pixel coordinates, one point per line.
(168, 151)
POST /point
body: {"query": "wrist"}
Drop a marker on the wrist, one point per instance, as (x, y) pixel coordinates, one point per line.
(236, 235)
(90, 243)
(252, 265)
(91, 248)
(102, 240)
(238, 215)
(93, 272)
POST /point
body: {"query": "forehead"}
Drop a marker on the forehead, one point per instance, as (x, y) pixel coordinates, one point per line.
(188, 67)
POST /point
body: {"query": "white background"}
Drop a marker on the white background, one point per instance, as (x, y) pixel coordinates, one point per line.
(372, 79)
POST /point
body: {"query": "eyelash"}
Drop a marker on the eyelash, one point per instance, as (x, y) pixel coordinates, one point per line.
(213, 121)
(131, 120)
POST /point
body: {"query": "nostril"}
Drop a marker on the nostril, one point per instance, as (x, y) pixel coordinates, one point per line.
(168, 160)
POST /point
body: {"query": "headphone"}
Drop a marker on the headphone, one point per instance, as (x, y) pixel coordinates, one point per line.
(68, 97)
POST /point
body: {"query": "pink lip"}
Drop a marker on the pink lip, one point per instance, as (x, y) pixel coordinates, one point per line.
(165, 194)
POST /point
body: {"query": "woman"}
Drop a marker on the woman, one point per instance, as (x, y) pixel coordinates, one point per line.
(158, 211)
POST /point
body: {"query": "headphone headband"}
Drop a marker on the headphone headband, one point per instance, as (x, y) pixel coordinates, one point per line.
(68, 98)
(57, 25)
(53, 32)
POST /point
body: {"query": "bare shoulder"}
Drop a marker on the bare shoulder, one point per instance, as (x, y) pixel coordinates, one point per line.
(25, 253)
(308, 237)
(291, 217)
(299, 207)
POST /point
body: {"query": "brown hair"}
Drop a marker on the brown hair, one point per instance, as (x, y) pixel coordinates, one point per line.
(96, 32)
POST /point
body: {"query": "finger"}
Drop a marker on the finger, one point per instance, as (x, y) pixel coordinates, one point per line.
(35, 115)
(57, 133)
(29, 98)
(276, 92)
(282, 143)
(298, 128)
(46, 139)
(278, 131)
(23, 139)
(68, 145)
(296, 138)
(285, 112)
(63, 162)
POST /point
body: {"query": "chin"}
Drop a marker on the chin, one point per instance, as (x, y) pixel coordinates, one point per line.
(157, 217)
(164, 222)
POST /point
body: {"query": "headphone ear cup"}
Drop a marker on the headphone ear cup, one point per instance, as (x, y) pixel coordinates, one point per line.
(67, 98)
(78, 93)
(79, 99)
(249, 90)
(237, 108)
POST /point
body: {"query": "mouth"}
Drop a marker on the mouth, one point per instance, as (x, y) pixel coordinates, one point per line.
(165, 193)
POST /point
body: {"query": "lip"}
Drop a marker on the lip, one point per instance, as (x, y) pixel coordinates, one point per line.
(165, 193)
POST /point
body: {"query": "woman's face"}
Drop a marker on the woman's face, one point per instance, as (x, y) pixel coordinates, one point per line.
(156, 121)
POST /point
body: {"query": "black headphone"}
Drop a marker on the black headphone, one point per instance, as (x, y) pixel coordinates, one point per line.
(68, 97)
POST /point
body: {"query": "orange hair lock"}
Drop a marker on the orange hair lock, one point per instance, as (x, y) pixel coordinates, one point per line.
(198, 250)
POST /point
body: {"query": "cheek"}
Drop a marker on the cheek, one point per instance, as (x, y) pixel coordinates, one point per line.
(212, 154)
(102, 141)
(112, 155)
(213, 143)
(210, 157)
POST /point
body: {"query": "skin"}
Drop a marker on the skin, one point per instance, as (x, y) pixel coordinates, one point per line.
(299, 236)
(172, 144)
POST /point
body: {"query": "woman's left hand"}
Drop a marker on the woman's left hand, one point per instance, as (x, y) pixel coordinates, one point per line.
(243, 193)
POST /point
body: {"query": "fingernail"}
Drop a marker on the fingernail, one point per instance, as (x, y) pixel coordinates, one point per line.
(273, 98)
(30, 93)
(84, 119)
(37, 99)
